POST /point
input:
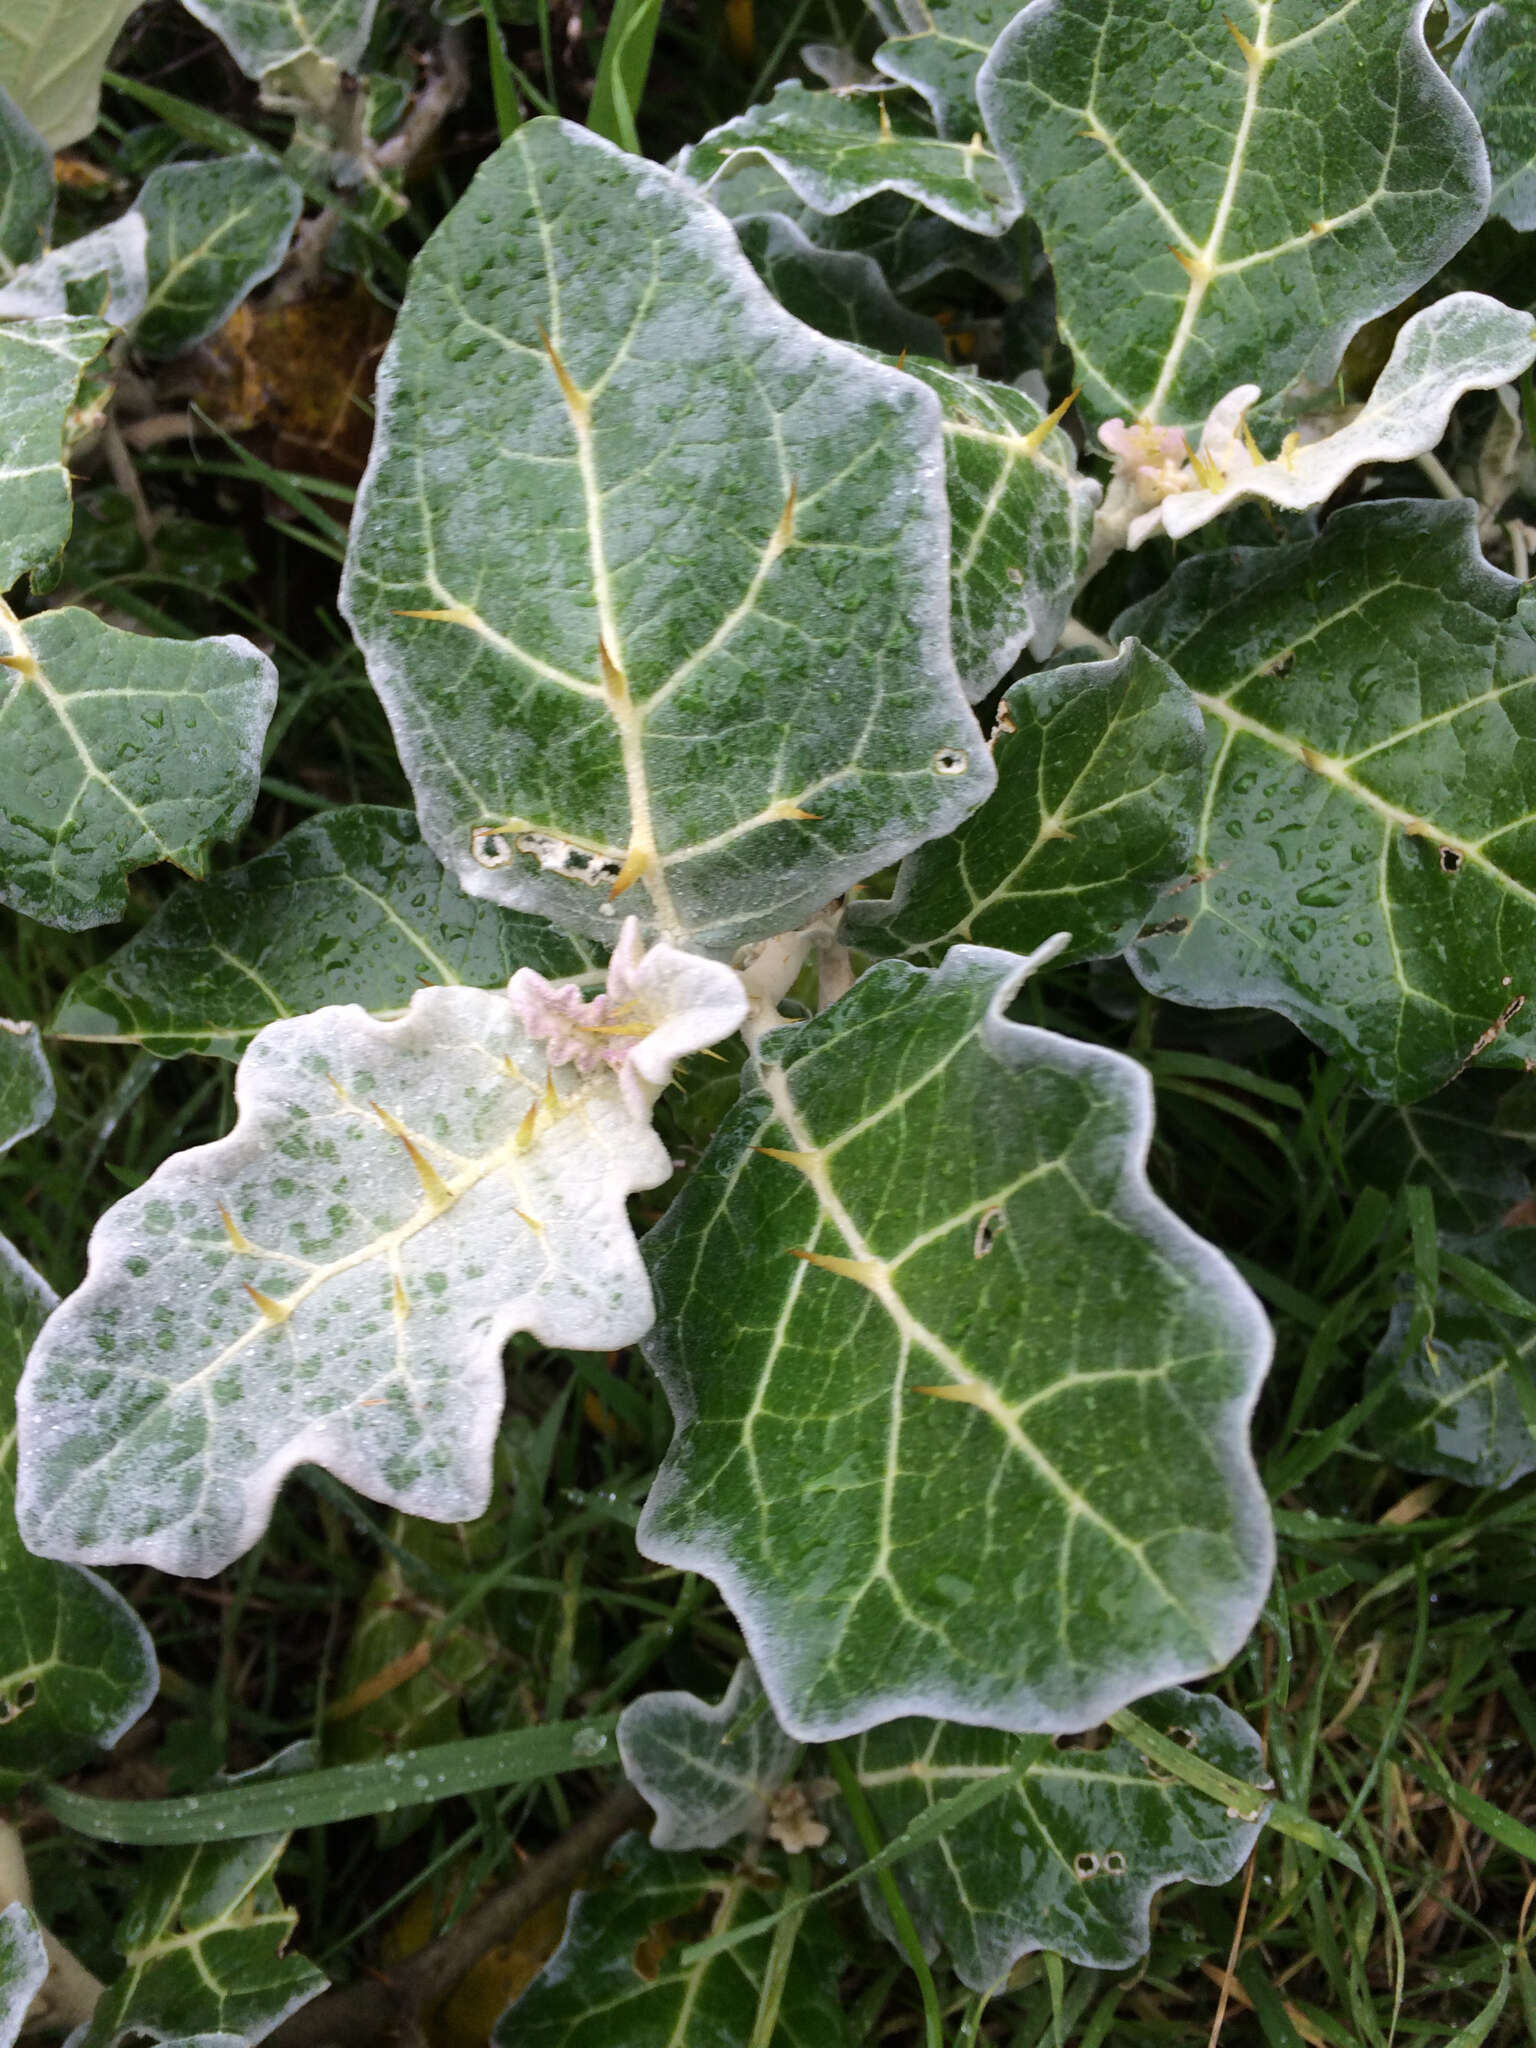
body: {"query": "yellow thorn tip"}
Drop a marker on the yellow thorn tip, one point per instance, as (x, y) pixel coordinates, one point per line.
(570, 391)
(433, 1186)
(271, 1311)
(636, 861)
(866, 1271)
(238, 1241)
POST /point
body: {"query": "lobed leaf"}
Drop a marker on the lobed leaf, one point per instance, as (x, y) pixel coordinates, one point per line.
(680, 564)
(203, 1950)
(334, 1281)
(1364, 853)
(834, 149)
(1021, 519)
(1464, 1394)
(961, 1407)
(26, 189)
(23, 1970)
(41, 364)
(1070, 1859)
(117, 750)
(708, 1773)
(215, 232)
(841, 293)
(1227, 197)
(1100, 768)
(52, 53)
(102, 274)
(617, 1975)
(1462, 343)
(349, 907)
(1495, 70)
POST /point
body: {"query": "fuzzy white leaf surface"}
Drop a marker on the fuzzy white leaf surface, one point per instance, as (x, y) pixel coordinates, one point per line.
(708, 1773)
(334, 1281)
(40, 290)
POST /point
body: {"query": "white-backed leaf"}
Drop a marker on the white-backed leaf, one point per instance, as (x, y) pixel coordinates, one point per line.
(216, 230)
(41, 364)
(1021, 519)
(840, 293)
(1495, 70)
(938, 47)
(1300, 166)
(203, 1950)
(334, 1281)
(102, 274)
(1071, 1859)
(52, 54)
(117, 750)
(991, 1463)
(261, 35)
(1462, 343)
(687, 561)
(349, 907)
(616, 1977)
(23, 1970)
(1366, 857)
(835, 148)
(708, 1773)
(26, 189)
(1464, 1395)
(1099, 779)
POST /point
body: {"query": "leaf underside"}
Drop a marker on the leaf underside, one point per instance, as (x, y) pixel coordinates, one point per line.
(41, 364)
(1366, 852)
(333, 1283)
(691, 556)
(1235, 208)
(990, 1463)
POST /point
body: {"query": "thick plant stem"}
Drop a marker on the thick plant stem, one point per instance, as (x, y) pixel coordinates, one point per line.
(901, 1920)
(381, 2009)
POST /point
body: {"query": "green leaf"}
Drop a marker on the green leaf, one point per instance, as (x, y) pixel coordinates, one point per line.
(709, 1773)
(1469, 1144)
(1282, 173)
(26, 189)
(41, 364)
(51, 57)
(1462, 343)
(939, 48)
(216, 230)
(1464, 1395)
(333, 1282)
(686, 562)
(26, 1085)
(1072, 1518)
(622, 67)
(101, 274)
(349, 907)
(1021, 519)
(617, 1976)
(841, 294)
(1070, 1859)
(1100, 769)
(117, 750)
(262, 34)
(1495, 70)
(833, 149)
(23, 1970)
(77, 1668)
(202, 1949)
(1365, 847)
(912, 246)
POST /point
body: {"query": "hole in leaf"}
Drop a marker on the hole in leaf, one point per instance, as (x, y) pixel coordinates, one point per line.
(1085, 1864)
(1450, 860)
(990, 1223)
(1171, 927)
(951, 761)
(490, 848)
(1114, 1863)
